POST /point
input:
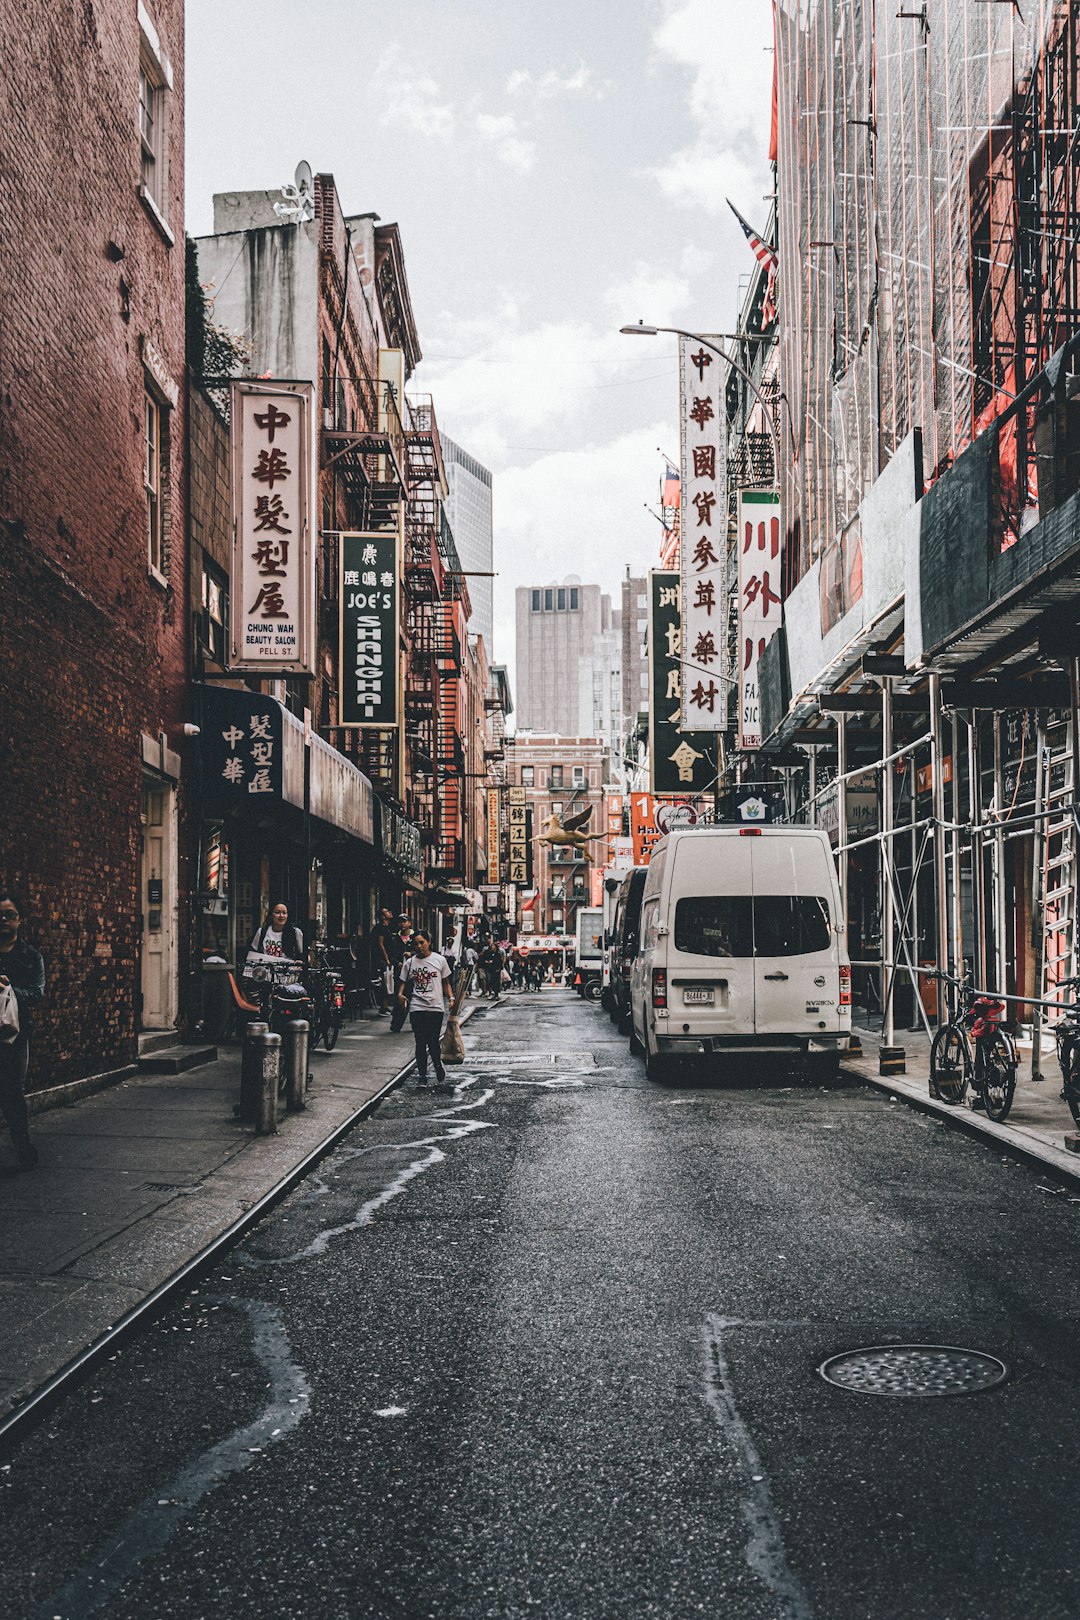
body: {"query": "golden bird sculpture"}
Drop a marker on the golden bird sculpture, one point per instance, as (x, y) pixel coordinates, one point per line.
(570, 831)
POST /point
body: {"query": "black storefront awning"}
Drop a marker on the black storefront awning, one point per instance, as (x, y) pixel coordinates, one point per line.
(252, 752)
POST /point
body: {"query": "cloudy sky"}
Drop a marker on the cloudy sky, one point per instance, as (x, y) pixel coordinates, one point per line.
(557, 169)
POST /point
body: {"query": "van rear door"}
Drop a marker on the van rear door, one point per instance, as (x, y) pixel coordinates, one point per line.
(710, 957)
(796, 965)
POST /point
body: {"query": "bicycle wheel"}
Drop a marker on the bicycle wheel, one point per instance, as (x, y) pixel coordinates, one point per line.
(948, 1066)
(998, 1081)
(1070, 1072)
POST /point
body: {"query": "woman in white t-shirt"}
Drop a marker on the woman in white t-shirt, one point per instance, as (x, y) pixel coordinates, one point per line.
(277, 937)
(428, 973)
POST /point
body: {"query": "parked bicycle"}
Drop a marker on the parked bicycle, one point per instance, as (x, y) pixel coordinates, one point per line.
(326, 987)
(974, 1049)
(1067, 1039)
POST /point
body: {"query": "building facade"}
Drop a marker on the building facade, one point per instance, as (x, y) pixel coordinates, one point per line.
(569, 655)
(94, 831)
(561, 776)
(469, 512)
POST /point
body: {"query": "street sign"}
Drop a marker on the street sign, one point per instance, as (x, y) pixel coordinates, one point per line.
(674, 817)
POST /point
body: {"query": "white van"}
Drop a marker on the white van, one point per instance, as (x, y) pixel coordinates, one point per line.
(742, 948)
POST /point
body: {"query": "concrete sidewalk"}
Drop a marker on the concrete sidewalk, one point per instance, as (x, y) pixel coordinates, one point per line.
(137, 1180)
(1038, 1121)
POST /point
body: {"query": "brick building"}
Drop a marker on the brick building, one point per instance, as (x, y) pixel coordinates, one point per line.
(93, 659)
(561, 776)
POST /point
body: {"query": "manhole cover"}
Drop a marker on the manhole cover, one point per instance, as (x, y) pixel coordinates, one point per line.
(914, 1369)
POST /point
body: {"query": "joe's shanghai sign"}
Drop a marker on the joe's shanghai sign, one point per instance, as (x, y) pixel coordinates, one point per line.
(370, 658)
(273, 556)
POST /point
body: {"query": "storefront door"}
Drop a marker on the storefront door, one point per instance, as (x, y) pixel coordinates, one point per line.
(157, 884)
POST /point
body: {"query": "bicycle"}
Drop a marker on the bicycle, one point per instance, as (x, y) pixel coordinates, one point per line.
(1067, 1041)
(974, 1048)
(327, 990)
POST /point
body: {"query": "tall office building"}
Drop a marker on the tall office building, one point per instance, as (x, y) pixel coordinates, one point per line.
(569, 661)
(468, 508)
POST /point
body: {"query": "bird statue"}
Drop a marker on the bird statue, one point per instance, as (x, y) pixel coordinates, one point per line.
(571, 831)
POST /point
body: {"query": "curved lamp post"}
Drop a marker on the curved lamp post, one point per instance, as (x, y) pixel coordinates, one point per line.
(641, 330)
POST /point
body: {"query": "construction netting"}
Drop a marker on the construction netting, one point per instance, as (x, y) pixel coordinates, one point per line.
(928, 227)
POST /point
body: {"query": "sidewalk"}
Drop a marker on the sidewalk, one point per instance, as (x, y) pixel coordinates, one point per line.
(135, 1181)
(1038, 1120)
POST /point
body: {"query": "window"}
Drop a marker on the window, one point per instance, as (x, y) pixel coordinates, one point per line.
(155, 83)
(549, 597)
(536, 601)
(555, 777)
(215, 605)
(560, 598)
(738, 926)
(528, 775)
(579, 776)
(573, 598)
(153, 419)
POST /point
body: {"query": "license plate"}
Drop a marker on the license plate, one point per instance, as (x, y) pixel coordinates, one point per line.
(701, 998)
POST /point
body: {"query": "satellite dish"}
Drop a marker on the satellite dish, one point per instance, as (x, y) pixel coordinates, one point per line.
(304, 178)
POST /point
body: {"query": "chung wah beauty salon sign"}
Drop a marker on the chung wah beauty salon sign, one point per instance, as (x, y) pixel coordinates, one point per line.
(273, 559)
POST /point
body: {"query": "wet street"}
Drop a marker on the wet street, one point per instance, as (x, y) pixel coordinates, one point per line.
(551, 1346)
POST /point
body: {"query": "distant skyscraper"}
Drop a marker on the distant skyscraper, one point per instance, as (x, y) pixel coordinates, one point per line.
(569, 647)
(468, 509)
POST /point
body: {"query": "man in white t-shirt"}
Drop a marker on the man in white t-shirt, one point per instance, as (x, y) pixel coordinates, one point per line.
(428, 974)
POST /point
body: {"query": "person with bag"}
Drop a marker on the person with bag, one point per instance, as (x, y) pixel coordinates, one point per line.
(491, 967)
(386, 955)
(427, 976)
(22, 979)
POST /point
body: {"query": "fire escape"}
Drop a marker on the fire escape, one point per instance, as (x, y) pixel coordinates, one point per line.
(435, 623)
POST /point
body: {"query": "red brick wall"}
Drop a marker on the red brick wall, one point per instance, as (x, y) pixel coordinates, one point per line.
(93, 652)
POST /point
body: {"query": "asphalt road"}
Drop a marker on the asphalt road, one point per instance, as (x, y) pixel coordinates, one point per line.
(550, 1346)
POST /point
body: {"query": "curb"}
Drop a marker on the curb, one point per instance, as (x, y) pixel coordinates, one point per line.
(1046, 1160)
(18, 1423)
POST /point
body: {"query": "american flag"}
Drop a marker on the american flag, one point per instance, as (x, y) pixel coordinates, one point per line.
(766, 255)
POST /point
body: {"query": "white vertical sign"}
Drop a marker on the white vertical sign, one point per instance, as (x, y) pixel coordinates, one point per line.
(703, 556)
(760, 599)
(272, 588)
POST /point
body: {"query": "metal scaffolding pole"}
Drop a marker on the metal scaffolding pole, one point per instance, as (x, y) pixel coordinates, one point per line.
(957, 929)
(1038, 935)
(841, 784)
(978, 891)
(1000, 937)
(941, 895)
(887, 942)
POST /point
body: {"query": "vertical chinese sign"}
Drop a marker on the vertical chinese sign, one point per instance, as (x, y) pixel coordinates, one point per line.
(241, 744)
(518, 839)
(703, 554)
(613, 817)
(680, 762)
(760, 599)
(370, 660)
(494, 843)
(274, 510)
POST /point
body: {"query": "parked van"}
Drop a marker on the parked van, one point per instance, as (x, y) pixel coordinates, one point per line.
(742, 949)
(625, 938)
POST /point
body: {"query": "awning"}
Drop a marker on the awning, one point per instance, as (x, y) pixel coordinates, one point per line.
(252, 752)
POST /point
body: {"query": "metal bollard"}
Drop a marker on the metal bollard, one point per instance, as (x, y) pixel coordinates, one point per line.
(269, 1049)
(251, 1073)
(297, 1033)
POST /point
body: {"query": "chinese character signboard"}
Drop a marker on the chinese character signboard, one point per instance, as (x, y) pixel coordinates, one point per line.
(494, 846)
(241, 747)
(643, 828)
(274, 510)
(519, 838)
(370, 657)
(703, 556)
(680, 762)
(760, 599)
(613, 807)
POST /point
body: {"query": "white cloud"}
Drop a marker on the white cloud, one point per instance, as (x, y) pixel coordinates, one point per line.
(656, 296)
(410, 99)
(546, 86)
(511, 147)
(723, 47)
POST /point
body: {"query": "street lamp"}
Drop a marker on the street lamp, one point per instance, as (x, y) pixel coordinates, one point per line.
(641, 330)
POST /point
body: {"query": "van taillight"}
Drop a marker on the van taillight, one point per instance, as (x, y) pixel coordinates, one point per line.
(845, 987)
(749, 832)
(659, 987)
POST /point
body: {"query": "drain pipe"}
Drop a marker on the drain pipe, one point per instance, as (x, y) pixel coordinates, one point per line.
(941, 892)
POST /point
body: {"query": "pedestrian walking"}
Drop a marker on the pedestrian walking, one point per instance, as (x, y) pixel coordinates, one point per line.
(21, 968)
(386, 957)
(427, 974)
(491, 968)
